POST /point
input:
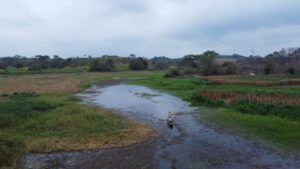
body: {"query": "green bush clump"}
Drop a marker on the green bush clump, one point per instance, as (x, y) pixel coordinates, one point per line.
(102, 65)
(172, 73)
(20, 107)
(23, 95)
(206, 101)
(4, 122)
(190, 71)
(24, 108)
(283, 111)
(10, 149)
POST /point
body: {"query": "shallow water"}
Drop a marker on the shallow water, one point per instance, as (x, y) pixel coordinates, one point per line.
(136, 101)
(190, 145)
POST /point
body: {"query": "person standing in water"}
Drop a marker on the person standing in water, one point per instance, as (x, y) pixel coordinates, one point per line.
(170, 120)
(170, 114)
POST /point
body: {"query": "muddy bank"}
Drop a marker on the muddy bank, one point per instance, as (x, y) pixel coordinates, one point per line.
(190, 144)
(136, 157)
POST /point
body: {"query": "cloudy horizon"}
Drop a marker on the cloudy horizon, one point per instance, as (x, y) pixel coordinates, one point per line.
(147, 28)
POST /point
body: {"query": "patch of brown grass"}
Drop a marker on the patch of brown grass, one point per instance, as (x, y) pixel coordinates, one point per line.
(223, 80)
(135, 133)
(60, 83)
(47, 83)
(228, 97)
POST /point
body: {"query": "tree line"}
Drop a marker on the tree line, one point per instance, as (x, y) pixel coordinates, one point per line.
(206, 63)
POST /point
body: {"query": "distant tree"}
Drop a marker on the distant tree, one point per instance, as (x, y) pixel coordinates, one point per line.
(291, 70)
(102, 65)
(189, 61)
(268, 68)
(19, 65)
(161, 65)
(57, 62)
(138, 64)
(132, 56)
(229, 68)
(162, 59)
(35, 67)
(172, 73)
(43, 61)
(207, 62)
(2, 67)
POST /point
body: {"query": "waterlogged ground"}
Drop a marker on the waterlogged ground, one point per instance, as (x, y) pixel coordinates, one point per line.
(191, 145)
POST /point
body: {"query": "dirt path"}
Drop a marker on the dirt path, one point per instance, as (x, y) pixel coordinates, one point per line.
(191, 145)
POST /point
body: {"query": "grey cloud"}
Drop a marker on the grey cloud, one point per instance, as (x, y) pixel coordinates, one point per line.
(148, 28)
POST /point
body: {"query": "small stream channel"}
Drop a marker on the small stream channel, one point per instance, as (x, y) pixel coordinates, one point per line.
(190, 145)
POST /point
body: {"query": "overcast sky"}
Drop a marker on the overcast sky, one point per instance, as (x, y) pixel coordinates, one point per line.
(148, 28)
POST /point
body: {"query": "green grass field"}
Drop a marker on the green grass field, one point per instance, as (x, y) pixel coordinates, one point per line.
(277, 131)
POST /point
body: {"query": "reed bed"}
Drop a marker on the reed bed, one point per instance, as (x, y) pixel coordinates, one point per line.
(221, 80)
(229, 97)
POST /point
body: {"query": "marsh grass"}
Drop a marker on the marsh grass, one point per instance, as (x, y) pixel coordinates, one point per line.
(279, 132)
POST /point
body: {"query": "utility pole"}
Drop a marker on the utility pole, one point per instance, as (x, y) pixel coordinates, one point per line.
(253, 52)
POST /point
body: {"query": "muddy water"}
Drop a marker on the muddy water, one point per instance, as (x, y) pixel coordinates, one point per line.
(191, 145)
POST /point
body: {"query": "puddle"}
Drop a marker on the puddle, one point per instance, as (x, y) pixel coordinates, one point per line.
(191, 145)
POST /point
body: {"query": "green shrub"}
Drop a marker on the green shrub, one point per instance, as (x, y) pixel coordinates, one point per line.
(173, 72)
(161, 65)
(20, 108)
(102, 65)
(206, 101)
(4, 121)
(283, 111)
(138, 64)
(291, 70)
(10, 150)
(23, 95)
(189, 71)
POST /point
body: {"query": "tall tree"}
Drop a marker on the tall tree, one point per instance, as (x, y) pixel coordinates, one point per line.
(208, 65)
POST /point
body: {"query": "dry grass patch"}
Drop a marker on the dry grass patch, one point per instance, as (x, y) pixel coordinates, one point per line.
(52, 83)
(48, 83)
(62, 83)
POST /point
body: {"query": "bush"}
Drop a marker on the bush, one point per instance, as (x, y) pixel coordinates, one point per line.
(23, 95)
(173, 72)
(35, 67)
(189, 71)
(102, 65)
(20, 107)
(10, 150)
(206, 101)
(291, 70)
(4, 121)
(283, 111)
(268, 68)
(2, 67)
(229, 68)
(138, 64)
(161, 65)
